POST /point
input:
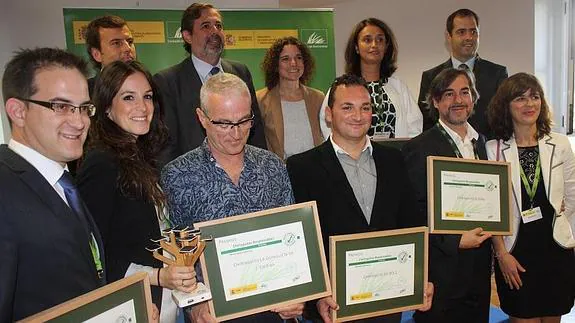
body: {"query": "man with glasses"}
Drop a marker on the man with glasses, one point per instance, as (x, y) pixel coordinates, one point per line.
(459, 264)
(179, 85)
(224, 176)
(50, 248)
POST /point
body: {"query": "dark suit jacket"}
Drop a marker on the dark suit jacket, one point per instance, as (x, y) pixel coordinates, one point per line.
(317, 175)
(488, 77)
(454, 272)
(179, 88)
(126, 224)
(45, 256)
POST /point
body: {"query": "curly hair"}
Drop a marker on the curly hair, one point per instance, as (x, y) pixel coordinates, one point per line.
(498, 111)
(270, 64)
(352, 58)
(137, 160)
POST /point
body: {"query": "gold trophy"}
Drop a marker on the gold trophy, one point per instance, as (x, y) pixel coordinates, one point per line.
(183, 247)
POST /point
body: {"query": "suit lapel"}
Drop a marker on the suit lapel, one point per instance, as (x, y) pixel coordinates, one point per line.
(378, 213)
(46, 193)
(546, 153)
(510, 154)
(336, 174)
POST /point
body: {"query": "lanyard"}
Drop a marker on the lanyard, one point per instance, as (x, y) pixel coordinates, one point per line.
(531, 190)
(96, 255)
(453, 145)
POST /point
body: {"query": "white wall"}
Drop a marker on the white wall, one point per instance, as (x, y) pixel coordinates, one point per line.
(506, 35)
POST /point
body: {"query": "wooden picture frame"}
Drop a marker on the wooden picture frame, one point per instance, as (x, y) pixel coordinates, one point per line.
(476, 178)
(380, 254)
(124, 298)
(227, 300)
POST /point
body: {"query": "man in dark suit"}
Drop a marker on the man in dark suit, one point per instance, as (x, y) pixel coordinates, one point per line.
(359, 185)
(108, 39)
(179, 85)
(459, 265)
(462, 35)
(50, 248)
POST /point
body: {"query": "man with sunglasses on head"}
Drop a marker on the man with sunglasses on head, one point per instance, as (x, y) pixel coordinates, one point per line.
(225, 176)
(50, 248)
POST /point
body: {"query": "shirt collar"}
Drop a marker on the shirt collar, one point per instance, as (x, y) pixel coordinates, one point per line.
(51, 170)
(249, 157)
(470, 62)
(204, 68)
(471, 133)
(340, 150)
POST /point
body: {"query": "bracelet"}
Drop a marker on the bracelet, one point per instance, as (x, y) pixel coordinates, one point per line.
(158, 277)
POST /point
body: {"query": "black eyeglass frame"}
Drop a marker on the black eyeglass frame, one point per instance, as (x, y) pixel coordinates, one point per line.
(231, 124)
(88, 107)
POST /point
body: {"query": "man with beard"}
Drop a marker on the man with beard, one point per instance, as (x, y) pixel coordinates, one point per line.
(459, 264)
(462, 36)
(179, 85)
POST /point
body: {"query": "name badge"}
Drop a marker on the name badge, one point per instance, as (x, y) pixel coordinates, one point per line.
(531, 215)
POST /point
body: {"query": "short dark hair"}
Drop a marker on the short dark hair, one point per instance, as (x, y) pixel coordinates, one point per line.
(460, 13)
(193, 12)
(137, 161)
(344, 80)
(352, 58)
(441, 83)
(498, 113)
(270, 64)
(19, 76)
(93, 34)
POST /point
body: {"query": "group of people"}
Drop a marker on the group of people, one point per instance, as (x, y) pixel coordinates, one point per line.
(189, 145)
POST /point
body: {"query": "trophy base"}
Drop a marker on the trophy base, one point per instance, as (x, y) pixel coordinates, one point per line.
(200, 294)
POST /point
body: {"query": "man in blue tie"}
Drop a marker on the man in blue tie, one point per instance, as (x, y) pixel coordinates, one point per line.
(50, 248)
(179, 85)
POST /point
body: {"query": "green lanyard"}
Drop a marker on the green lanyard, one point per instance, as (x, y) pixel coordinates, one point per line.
(531, 190)
(452, 143)
(96, 255)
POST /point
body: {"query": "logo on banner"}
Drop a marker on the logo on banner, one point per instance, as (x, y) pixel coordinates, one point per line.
(314, 38)
(174, 32)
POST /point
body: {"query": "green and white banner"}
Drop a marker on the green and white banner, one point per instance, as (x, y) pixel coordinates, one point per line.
(249, 33)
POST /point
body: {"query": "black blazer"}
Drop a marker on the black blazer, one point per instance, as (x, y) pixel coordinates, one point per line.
(126, 224)
(317, 175)
(488, 77)
(45, 256)
(179, 88)
(453, 271)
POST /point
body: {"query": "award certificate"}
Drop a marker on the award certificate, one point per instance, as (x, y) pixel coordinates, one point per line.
(470, 197)
(379, 273)
(263, 260)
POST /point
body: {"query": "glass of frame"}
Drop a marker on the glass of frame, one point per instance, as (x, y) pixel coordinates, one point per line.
(463, 194)
(396, 143)
(378, 273)
(125, 300)
(264, 260)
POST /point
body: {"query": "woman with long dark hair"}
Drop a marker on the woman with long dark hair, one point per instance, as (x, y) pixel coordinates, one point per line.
(118, 180)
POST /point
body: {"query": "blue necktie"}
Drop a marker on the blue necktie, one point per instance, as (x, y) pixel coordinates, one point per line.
(77, 207)
(215, 70)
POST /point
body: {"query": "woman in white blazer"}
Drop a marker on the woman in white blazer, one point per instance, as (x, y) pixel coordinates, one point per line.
(371, 53)
(535, 268)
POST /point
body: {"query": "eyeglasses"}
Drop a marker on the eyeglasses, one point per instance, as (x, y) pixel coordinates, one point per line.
(64, 108)
(229, 126)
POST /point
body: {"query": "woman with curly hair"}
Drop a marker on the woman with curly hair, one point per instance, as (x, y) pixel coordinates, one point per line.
(289, 108)
(535, 265)
(371, 53)
(118, 180)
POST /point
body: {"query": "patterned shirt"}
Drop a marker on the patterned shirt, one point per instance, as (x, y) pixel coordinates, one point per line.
(198, 189)
(383, 108)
